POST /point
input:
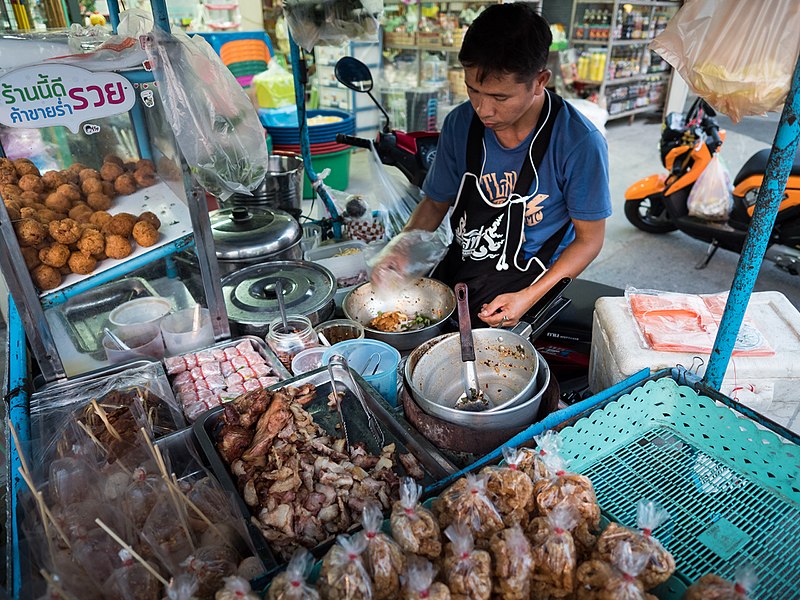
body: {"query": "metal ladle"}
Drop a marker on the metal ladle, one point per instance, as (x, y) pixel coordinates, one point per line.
(473, 399)
(281, 305)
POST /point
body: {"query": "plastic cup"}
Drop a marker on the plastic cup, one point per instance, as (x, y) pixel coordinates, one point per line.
(150, 309)
(182, 334)
(360, 355)
(144, 341)
(308, 360)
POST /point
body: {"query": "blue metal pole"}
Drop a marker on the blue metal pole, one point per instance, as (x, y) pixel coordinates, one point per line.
(769, 198)
(113, 14)
(299, 75)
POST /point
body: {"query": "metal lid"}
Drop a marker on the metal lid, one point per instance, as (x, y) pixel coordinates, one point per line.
(249, 232)
(250, 292)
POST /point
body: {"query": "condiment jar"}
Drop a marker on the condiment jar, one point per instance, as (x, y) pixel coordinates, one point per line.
(288, 342)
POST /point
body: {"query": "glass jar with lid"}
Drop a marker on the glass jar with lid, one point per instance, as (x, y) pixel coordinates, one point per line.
(287, 341)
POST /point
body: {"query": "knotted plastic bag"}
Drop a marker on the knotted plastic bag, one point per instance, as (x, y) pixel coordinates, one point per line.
(468, 571)
(291, 584)
(714, 587)
(413, 526)
(343, 575)
(510, 488)
(467, 501)
(419, 584)
(384, 557)
(513, 560)
(554, 556)
(332, 22)
(704, 43)
(214, 122)
(711, 198)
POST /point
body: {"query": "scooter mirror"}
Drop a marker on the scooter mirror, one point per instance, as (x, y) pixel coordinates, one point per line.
(354, 74)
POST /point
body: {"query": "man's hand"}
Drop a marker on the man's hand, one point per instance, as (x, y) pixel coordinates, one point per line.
(389, 271)
(507, 309)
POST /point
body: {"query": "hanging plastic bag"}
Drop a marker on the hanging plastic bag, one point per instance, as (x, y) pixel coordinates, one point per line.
(711, 197)
(274, 87)
(703, 42)
(332, 22)
(213, 120)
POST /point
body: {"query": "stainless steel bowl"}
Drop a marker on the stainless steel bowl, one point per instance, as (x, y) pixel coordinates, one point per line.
(521, 382)
(425, 296)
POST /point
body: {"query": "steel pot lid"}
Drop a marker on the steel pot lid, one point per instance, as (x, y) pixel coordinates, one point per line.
(250, 292)
(249, 232)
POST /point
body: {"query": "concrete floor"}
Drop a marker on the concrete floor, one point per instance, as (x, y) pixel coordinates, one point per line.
(665, 262)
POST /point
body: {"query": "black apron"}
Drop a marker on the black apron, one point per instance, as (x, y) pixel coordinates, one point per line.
(487, 252)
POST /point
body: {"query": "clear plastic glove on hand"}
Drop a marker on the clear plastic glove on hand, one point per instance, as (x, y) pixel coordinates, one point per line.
(408, 256)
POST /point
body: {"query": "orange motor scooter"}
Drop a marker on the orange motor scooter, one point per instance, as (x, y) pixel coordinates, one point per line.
(658, 203)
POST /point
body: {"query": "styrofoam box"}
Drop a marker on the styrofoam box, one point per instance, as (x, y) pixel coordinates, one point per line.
(767, 384)
(341, 266)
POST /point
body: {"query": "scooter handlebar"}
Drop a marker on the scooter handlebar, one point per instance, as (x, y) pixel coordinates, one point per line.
(351, 140)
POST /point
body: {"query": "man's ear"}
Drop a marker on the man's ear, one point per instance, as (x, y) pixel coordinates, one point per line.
(542, 79)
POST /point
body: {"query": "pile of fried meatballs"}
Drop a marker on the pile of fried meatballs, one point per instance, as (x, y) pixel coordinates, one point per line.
(61, 218)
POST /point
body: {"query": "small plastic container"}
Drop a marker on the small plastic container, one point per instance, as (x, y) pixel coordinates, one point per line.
(350, 270)
(144, 341)
(150, 309)
(288, 343)
(186, 330)
(361, 358)
(308, 360)
(340, 330)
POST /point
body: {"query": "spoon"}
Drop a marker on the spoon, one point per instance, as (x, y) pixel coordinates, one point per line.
(473, 399)
(281, 306)
(116, 339)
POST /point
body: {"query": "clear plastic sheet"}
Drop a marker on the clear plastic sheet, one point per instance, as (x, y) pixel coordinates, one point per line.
(213, 120)
(332, 22)
(704, 43)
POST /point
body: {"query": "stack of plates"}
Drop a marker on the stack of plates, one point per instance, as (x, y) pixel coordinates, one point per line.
(322, 136)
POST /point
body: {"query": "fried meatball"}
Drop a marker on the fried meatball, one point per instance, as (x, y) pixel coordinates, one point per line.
(55, 255)
(92, 242)
(37, 205)
(81, 213)
(100, 218)
(65, 231)
(98, 201)
(110, 171)
(10, 189)
(85, 174)
(13, 210)
(30, 198)
(117, 246)
(151, 218)
(77, 168)
(145, 234)
(5, 163)
(121, 224)
(92, 186)
(69, 176)
(26, 212)
(46, 215)
(145, 164)
(58, 202)
(144, 177)
(81, 263)
(52, 179)
(8, 175)
(46, 277)
(113, 158)
(108, 189)
(31, 183)
(130, 165)
(31, 257)
(125, 184)
(26, 167)
(70, 190)
(30, 232)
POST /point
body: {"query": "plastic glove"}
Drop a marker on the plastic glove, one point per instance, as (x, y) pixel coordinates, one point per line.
(408, 256)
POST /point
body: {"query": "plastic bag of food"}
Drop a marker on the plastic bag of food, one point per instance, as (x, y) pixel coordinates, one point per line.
(237, 588)
(274, 87)
(599, 580)
(142, 494)
(714, 587)
(182, 587)
(418, 583)
(659, 565)
(531, 461)
(510, 489)
(467, 570)
(703, 43)
(413, 526)
(132, 581)
(711, 198)
(554, 556)
(291, 584)
(513, 561)
(332, 22)
(467, 501)
(565, 487)
(343, 575)
(384, 558)
(214, 122)
(211, 565)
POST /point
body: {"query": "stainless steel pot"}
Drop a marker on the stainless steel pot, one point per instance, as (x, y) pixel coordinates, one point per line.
(515, 373)
(425, 296)
(245, 236)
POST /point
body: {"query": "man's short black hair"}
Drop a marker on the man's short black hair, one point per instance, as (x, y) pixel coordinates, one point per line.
(507, 38)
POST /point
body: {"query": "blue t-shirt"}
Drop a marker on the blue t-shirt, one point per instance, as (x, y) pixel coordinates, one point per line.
(572, 178)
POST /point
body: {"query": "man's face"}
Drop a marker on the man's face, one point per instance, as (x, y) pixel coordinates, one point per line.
(500, 101)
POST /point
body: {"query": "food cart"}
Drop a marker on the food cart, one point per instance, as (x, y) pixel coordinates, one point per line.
(726, 476)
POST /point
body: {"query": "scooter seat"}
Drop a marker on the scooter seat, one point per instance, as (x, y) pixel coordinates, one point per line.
(757, 165)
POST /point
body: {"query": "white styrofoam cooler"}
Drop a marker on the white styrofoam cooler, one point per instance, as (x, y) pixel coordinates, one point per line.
(767, 384)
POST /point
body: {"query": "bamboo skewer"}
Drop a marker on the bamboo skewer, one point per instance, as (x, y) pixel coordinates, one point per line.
(104, 417)
(99, 444)
(196, 509)
(133, 552)
(51, 581)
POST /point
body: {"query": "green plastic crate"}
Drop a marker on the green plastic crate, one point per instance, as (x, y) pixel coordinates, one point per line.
(732, 488)
(338, 163)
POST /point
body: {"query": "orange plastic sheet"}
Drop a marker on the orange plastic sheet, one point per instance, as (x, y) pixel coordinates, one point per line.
(673, 322)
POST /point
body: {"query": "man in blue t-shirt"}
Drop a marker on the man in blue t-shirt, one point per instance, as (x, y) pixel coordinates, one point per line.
(525, 174)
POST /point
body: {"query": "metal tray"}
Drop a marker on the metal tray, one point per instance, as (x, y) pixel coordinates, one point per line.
(396, 430)
(86, 315)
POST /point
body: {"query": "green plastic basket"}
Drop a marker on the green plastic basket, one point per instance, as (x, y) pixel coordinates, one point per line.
(338, 163)
(732, 488)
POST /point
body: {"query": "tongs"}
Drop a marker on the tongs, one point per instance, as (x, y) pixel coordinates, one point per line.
(337, 361)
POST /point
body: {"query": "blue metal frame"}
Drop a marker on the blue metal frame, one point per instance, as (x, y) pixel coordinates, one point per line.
(779, 165)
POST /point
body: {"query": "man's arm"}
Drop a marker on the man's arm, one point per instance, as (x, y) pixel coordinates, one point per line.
(573, 260)
(428, 215)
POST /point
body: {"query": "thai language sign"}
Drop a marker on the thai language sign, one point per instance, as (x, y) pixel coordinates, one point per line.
(48, 95)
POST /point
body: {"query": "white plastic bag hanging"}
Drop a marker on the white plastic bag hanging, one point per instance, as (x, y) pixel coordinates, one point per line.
(332, 22)
(214, 122)
(711, 197)
(739, 56)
